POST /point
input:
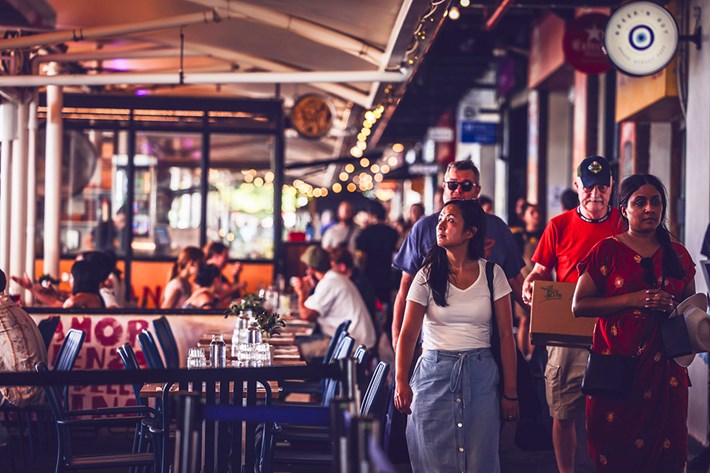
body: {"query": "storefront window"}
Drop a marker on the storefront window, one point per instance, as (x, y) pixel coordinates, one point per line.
(166, 208)
(240, 201)
(89, 216)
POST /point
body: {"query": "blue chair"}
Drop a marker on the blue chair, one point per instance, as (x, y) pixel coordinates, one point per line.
(341, 352)
(150, 350)
(68, 352)
(66, 421)
(47, 327)
(150, 424)
(339, 332)
(309, 448)
(363, 356)
(167, 342)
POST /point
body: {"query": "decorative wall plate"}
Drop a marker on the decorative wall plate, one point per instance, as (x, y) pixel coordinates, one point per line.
(641, 38)
(312, 116)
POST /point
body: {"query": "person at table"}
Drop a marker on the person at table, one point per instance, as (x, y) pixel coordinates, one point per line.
(334, 300)
(217, 253)
(453, 396)
(631, 281)
(85, 284)
(207, 282)
(179, 288)
(21, 348)
(102, 267)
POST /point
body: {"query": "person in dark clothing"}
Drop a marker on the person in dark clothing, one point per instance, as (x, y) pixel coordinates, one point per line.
(376, 246)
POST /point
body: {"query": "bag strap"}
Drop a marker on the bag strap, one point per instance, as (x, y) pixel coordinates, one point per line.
(495, 338)
(490, 265)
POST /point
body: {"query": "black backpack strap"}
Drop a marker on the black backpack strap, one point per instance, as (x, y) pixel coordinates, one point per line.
(495, 339)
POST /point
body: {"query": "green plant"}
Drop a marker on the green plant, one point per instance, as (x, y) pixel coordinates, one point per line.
(249, 302)
(270, 323)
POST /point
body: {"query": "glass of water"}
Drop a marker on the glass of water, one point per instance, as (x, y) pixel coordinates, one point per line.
(196, 358)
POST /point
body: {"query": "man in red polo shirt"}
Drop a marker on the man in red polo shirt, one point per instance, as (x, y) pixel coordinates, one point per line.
(566, 240)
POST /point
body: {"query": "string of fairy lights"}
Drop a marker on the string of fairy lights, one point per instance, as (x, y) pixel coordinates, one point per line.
(361, 175)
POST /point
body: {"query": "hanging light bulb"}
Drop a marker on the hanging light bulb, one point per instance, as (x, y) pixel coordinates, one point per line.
(454, 13)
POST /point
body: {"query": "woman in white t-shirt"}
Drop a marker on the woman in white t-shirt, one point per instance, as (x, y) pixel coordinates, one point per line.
(453, 396)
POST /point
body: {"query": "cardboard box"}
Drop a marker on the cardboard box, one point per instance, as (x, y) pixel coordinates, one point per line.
(551, 318)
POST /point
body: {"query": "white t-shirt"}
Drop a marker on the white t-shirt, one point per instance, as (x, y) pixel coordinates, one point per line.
(336, 299)
(465, 323)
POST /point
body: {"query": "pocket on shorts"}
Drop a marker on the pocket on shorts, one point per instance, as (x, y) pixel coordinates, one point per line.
(552, 372)
(552, 386)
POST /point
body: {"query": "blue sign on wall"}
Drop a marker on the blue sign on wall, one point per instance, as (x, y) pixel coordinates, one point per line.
(484, 133)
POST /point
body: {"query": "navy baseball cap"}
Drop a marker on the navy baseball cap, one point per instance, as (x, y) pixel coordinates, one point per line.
(594, 170)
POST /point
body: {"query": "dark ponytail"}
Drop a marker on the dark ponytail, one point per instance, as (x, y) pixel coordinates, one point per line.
(671, 263)
(436, 262)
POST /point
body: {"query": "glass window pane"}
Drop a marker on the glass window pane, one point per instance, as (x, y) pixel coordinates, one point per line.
(166, 211)
(241, 195)
(90, 215)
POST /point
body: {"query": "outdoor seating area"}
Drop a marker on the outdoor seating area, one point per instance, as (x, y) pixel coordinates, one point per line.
(278, 415)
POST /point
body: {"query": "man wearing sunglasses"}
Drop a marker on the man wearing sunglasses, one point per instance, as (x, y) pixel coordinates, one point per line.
(567, 239)
(461, 181)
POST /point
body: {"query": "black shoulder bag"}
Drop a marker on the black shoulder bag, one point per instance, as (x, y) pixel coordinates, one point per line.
(530, 434)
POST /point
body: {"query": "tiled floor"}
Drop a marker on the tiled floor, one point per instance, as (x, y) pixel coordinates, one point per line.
(513, 460)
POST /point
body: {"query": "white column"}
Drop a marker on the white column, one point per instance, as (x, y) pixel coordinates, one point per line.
(8, 115)
(18, 217)
(31, 195)
(697, 204)
(53, 181)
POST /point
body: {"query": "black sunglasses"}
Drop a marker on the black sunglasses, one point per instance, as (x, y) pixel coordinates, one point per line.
(466, 186)
(649, 275)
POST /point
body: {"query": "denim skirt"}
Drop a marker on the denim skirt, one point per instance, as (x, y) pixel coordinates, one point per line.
(455, 421)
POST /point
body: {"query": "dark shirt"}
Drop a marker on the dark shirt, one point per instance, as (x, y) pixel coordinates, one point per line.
(378, 243)
(499, 247)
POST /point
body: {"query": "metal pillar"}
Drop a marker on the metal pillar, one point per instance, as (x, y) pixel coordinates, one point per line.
(8, 115)
(31, 195)
(18, 217)
(53, 181)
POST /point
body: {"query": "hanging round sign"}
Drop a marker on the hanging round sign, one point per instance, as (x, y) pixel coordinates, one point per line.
(312, 116)
(641, 38)
(582, 43)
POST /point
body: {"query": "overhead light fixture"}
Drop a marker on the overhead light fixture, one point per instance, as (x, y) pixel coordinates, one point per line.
(465, 3)
(454, 13)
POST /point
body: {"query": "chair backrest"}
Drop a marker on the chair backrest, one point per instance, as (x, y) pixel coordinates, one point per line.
(167, 342)
(130, 362)
(150, 350)
(375, 399)
(362, 356)
(342, 351)
(69, 350)
(47, 327)
(54, 396)
(344, 348)
(337, 336)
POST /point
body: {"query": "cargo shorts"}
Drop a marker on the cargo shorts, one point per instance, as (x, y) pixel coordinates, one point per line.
(563, 381)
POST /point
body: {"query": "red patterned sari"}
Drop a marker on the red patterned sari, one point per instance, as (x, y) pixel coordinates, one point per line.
(647, 432)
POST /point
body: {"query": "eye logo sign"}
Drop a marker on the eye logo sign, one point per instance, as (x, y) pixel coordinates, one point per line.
(641, 38)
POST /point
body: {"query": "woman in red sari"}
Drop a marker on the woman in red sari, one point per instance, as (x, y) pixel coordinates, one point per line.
(630, 282)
